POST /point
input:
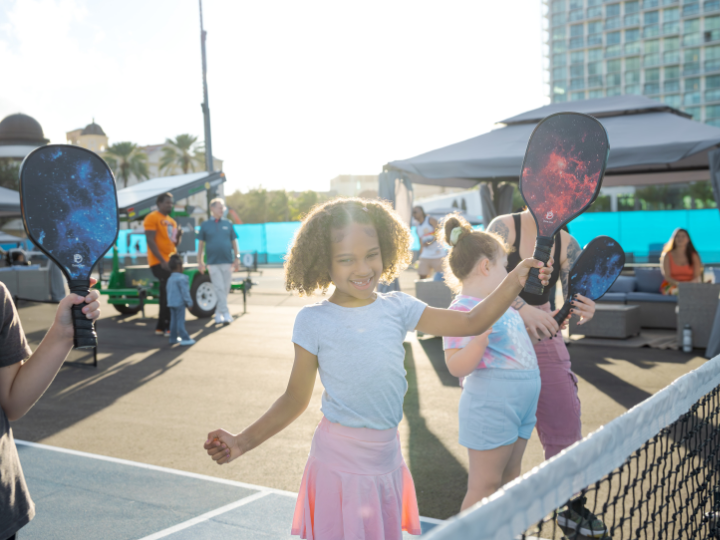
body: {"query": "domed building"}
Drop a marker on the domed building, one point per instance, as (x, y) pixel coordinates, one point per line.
(19, 135)
(91, 137)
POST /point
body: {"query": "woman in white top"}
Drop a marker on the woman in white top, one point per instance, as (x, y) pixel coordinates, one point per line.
(432, 252)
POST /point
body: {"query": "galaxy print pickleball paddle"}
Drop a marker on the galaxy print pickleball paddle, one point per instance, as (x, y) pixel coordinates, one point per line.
(69, 207)
(561, 176)
(594, 272)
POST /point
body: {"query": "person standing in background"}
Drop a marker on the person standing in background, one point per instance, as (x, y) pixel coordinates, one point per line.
(432, 252)
(163, 236)
(218, 241)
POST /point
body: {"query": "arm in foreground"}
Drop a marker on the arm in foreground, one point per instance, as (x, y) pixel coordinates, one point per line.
(200, 256)
(224, 447)
(445, 322)
(23, 383)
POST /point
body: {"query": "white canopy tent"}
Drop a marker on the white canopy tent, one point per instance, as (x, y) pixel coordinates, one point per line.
(9, 202)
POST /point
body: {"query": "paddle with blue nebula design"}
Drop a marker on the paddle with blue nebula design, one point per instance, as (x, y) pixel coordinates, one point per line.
(594, 272)
(560, 177)
(69, 207)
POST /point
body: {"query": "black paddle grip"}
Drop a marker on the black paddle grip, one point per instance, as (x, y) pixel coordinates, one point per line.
(85, 336)
(561, 315)
(543, 248)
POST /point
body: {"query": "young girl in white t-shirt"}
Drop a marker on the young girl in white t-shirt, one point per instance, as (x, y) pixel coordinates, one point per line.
(356, 483)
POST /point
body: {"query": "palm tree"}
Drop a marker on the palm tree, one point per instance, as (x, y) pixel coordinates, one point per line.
(125, 159)
(183, 152)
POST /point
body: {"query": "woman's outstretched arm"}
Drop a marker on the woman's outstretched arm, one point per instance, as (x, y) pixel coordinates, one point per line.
(224, 447)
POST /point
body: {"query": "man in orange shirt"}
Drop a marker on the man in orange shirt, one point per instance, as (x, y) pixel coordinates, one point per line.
(163, 236)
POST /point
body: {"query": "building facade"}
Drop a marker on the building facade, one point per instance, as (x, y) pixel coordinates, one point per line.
(668, 50)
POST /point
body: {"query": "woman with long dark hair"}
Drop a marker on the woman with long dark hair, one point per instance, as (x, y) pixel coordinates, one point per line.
(679, 261)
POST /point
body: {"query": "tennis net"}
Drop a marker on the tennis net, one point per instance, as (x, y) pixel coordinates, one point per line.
(652, 473)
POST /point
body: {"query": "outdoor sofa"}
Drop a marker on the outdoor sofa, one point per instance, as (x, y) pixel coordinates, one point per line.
(643, 289)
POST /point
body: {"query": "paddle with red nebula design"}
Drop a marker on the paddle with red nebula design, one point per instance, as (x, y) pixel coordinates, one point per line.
(561, 176)
(69, 207)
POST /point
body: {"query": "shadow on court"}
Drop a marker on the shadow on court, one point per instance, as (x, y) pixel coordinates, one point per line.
(129, 356)
(591, 363)
(440, 480)
(433, 348)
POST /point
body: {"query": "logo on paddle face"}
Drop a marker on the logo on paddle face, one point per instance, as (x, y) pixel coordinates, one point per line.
(549, 215)
(78, 258)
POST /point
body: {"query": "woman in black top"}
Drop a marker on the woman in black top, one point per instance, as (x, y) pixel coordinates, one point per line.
(558, 411)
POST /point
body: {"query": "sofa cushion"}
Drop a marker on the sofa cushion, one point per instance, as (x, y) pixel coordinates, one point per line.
(623, 284)
(615, 297)
(648, 280)
(651, 297)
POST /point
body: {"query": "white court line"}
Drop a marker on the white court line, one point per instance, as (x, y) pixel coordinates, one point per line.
(206, 516)
(262, 489)
(156, 468)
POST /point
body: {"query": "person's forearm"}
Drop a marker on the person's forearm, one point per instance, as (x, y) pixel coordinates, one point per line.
(464, 361)
(236, 250)
(36, 374)
(201, 251)
(153, 247)
(487, 312)
(280, 415)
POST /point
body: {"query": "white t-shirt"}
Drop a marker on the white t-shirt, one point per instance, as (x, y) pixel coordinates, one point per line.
(434, 250)
(361, 357)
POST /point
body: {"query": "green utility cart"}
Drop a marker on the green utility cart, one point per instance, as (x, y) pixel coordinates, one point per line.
(129, 289)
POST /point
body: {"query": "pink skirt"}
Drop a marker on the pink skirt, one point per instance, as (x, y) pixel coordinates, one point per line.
(356, 486)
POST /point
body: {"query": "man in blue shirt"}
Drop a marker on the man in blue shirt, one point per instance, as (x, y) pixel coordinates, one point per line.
(218, 241)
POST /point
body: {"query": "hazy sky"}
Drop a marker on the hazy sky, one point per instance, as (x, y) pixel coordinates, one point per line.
(299, 91)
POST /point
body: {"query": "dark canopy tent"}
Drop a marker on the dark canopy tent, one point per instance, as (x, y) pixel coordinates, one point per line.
(650, 143)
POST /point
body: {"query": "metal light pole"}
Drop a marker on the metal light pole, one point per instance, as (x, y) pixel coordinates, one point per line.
(205, 105)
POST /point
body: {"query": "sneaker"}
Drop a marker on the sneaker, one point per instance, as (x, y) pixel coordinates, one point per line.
(219, 319)
(167, 333)
(186, 342)
(159, 333)
(227, 318)
(575, 516)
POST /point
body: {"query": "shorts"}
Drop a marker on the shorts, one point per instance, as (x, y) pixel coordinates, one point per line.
(426, 265)
(497, 406)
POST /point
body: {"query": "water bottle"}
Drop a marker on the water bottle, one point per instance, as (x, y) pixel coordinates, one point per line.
(687, 339)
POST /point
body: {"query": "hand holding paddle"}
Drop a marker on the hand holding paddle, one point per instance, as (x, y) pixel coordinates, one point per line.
(69, 208)
(594, 272)
(561, 176)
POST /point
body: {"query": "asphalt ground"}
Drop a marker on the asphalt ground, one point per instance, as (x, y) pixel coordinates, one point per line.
(153, 404)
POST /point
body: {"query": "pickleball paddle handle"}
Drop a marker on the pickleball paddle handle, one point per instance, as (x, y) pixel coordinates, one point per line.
(561, 315)
(85, 336)
(543, 248)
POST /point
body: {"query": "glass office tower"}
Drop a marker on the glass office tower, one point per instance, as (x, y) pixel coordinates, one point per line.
(668, 50)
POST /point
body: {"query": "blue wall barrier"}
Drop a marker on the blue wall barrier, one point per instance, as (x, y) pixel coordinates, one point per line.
(643, 232)
(640, 233)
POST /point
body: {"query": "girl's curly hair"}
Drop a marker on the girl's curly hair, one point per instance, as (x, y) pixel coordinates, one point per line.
(307, 264)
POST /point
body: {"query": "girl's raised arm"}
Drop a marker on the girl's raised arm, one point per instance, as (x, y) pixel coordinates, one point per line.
(446, 322)
(223, 446)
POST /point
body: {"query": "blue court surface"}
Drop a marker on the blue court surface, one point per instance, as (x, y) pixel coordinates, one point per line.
(82, 496)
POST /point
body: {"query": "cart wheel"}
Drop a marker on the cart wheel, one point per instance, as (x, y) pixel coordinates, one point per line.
(203, 296)
(128, 309)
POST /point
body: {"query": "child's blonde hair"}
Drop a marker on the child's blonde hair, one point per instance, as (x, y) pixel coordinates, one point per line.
(468, 246)
(307, 264)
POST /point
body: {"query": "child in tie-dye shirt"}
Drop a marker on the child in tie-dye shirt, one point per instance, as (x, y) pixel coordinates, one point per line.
(502, 380)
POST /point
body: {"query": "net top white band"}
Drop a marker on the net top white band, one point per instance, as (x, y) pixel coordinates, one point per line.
(525, 501)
